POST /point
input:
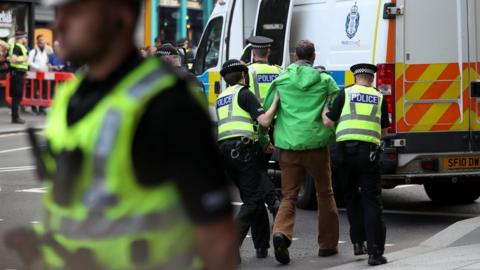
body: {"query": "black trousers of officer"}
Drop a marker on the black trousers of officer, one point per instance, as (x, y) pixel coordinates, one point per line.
(361, 181)
(270, 195)
(247, 176)
(17, 80)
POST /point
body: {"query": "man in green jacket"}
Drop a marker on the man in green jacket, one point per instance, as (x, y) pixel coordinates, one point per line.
(302, 139)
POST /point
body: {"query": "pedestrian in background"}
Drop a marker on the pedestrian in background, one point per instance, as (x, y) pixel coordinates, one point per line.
(55, 62)
(302, 138)
(125, 188)
(38, 62)
(362, 116)
(18, 58)
(3, 57)
(237, 110)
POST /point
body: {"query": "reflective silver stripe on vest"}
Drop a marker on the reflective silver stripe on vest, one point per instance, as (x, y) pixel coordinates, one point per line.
(234, 94)
(235, 119)
(256, 87)
(236, 132)
(97, 196)
(140, 89)
(98, 226)
(358, 131)
(361, 118)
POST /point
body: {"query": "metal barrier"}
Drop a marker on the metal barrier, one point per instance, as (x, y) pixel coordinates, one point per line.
(39, 88)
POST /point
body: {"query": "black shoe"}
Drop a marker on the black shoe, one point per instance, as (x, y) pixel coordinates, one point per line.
(375, 260)
(359, 249)
(262, 253)
(280, 244)
(327, 252)
(18, 121)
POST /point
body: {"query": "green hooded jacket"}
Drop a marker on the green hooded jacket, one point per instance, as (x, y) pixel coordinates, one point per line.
(303, 92)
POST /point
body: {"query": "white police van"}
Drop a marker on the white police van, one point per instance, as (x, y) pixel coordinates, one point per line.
(428, 54)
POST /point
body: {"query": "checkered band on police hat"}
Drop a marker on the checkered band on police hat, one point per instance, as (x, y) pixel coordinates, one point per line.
(364, 69)
(166, 50)
(233, 66)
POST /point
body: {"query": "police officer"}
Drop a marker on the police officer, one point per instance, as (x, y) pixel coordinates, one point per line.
(169, 54)
(131, 167)
(261, 76)
(261, 72)
(18, 57)
(237, 110)
(362, 116)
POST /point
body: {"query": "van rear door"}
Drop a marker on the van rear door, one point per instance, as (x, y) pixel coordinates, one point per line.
(432, 89)
(273, 20)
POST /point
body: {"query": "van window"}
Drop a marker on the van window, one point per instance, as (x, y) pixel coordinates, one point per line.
(272, 22)
(208, 52)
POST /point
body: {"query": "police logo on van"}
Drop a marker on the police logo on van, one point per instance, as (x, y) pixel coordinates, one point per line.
(353, 21)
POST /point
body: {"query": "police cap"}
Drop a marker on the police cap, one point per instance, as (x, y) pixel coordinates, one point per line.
(166, 50)
(20, 34)
(364, 68)
(260, 42)
(233, 65)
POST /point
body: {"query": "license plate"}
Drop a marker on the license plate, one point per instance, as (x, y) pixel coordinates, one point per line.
(459, 163)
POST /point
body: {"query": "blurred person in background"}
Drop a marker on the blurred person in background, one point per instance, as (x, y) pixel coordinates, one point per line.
(38, 62)
(127, 187)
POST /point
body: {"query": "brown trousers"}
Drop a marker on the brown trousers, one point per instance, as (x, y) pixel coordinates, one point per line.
(294, 164)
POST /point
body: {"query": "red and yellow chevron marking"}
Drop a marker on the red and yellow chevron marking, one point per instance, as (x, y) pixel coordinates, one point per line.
(419, 85)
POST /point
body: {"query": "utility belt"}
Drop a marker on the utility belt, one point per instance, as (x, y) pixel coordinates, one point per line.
(17, 72)
(243, 149)
(350, 148)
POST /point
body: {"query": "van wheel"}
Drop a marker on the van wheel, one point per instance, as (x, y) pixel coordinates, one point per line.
(453, 193)
(307, 197)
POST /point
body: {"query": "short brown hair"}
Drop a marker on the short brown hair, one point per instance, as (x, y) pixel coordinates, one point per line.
(305, 50)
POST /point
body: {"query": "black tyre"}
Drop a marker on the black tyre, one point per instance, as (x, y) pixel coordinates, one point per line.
(307, 198)
(453, 193)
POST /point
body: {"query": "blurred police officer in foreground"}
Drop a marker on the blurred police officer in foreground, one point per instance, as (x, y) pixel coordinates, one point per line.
(128, 186)
(18, 58)
(261, 76)
(237, 110)
(362, 116)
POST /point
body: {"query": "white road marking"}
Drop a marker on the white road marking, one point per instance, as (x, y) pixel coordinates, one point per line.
(1, 219)
(405, 186)
(33, 190)
(35, 222)
(15, 150)
(17, 169)
(12, 135)
(389, 245)
(341, 242)
(426, 213)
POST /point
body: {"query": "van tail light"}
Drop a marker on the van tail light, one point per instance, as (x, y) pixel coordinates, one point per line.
(386, 84)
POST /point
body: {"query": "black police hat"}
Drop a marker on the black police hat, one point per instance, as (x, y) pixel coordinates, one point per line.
(364, 68)
(233, 65)
(260, 42)
(166, 50)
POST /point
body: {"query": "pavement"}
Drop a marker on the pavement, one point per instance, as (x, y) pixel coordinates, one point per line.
(32, 120)
(421, 235)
